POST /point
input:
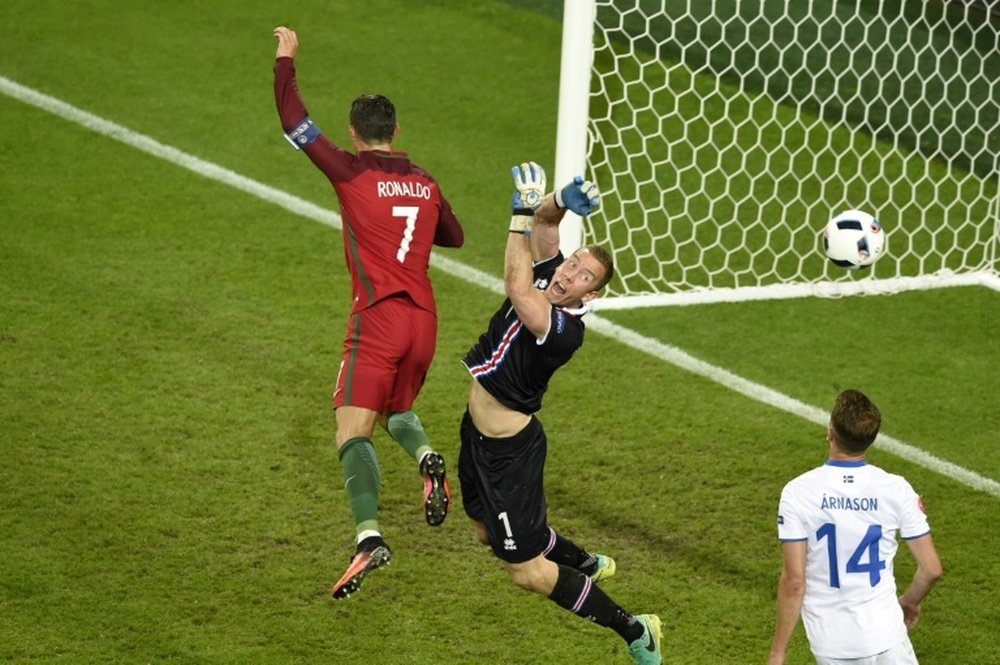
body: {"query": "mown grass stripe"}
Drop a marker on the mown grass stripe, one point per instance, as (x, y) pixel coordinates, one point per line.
(624, 335)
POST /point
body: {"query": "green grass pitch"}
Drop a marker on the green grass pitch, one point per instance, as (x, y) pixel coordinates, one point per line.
(169, 490)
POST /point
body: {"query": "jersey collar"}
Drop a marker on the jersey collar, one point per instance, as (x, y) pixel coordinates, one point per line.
(844, 463)
(577, 312)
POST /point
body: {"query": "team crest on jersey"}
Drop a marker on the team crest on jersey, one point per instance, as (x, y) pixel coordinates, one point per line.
(542, 283)
(781, 519)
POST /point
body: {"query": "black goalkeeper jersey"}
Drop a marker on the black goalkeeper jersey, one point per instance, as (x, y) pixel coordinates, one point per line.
(514, 366)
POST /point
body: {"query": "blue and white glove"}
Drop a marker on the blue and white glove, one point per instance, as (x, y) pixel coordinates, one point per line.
(529, 186)
(581, 196)
(529, 191)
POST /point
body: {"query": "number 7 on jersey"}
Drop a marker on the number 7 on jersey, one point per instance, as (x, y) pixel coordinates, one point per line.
(410, 214)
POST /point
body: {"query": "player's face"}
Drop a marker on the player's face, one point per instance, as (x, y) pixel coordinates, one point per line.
(575, 280)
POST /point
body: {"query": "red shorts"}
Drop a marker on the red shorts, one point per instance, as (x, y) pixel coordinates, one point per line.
(387, 351)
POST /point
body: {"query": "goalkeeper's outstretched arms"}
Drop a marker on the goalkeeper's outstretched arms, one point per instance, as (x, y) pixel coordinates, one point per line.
(534, 235)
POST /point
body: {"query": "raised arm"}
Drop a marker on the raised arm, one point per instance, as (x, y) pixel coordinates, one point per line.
(535, 214)
(531, 305)
(580, 196)
(291, 110)
(299, 128)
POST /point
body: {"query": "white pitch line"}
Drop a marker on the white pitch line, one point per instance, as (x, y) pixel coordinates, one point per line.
(600, 325)
(761, 393)
(153, 147)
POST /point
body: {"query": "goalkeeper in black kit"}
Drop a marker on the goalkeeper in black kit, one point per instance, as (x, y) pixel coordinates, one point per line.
(537, 329)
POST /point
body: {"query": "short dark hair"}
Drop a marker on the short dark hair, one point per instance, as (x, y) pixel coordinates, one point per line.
(373, 118)
(855, 421)
(604, 258)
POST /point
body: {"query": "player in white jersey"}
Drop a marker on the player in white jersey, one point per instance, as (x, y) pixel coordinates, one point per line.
(838, 525)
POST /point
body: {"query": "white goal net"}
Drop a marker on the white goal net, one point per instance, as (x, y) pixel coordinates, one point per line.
(724, 134)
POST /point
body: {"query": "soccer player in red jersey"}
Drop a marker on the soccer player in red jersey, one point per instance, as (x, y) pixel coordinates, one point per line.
(393, 212)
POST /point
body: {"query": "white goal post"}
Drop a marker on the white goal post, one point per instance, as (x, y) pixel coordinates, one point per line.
(724, 134)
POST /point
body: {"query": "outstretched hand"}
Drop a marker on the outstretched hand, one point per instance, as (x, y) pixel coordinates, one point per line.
(581, 196)
(529, 186)
(288, 42)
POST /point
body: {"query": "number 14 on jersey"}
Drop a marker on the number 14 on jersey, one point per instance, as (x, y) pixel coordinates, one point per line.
(866, 549)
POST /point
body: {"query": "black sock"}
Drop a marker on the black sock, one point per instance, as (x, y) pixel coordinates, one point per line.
(567, 553)
(576, 592)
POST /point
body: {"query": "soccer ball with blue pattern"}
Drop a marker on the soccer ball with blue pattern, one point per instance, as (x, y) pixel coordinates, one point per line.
(854, 239)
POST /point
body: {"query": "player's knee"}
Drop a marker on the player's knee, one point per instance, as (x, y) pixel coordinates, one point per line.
(520, 577)
(527, 577)
(353, 422)
(403, 420)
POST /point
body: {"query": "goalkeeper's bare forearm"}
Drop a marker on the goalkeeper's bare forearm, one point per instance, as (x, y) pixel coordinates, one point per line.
(545, 228)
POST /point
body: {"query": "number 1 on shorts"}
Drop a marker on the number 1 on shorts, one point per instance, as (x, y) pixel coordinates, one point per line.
(508, 542)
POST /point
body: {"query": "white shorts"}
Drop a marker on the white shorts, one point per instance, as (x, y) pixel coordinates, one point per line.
(901, 654)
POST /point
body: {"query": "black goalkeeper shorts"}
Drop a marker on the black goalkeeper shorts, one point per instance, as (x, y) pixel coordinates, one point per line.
(502, 487)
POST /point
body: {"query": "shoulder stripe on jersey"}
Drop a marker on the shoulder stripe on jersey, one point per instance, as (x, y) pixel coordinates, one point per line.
(499, 353)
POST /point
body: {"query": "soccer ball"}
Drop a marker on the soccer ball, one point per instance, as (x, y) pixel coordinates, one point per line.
(854, 239)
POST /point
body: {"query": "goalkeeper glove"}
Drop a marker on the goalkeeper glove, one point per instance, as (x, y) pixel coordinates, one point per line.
(581, 196)
(529, 190)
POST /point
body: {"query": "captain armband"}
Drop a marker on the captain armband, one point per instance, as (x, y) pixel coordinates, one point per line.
(302, 134)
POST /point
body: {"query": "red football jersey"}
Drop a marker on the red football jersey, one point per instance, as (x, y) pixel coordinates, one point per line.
(392, 210)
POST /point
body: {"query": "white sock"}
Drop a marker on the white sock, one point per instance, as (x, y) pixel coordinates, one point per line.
(368, 533)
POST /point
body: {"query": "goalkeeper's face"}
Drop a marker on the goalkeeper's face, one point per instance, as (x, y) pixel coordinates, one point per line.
(576, 280)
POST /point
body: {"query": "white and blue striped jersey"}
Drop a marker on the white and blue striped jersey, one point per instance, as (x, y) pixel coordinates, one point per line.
(849, 514)
(514, 366)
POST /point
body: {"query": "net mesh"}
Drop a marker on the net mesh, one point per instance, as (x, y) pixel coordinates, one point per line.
(725, 134)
